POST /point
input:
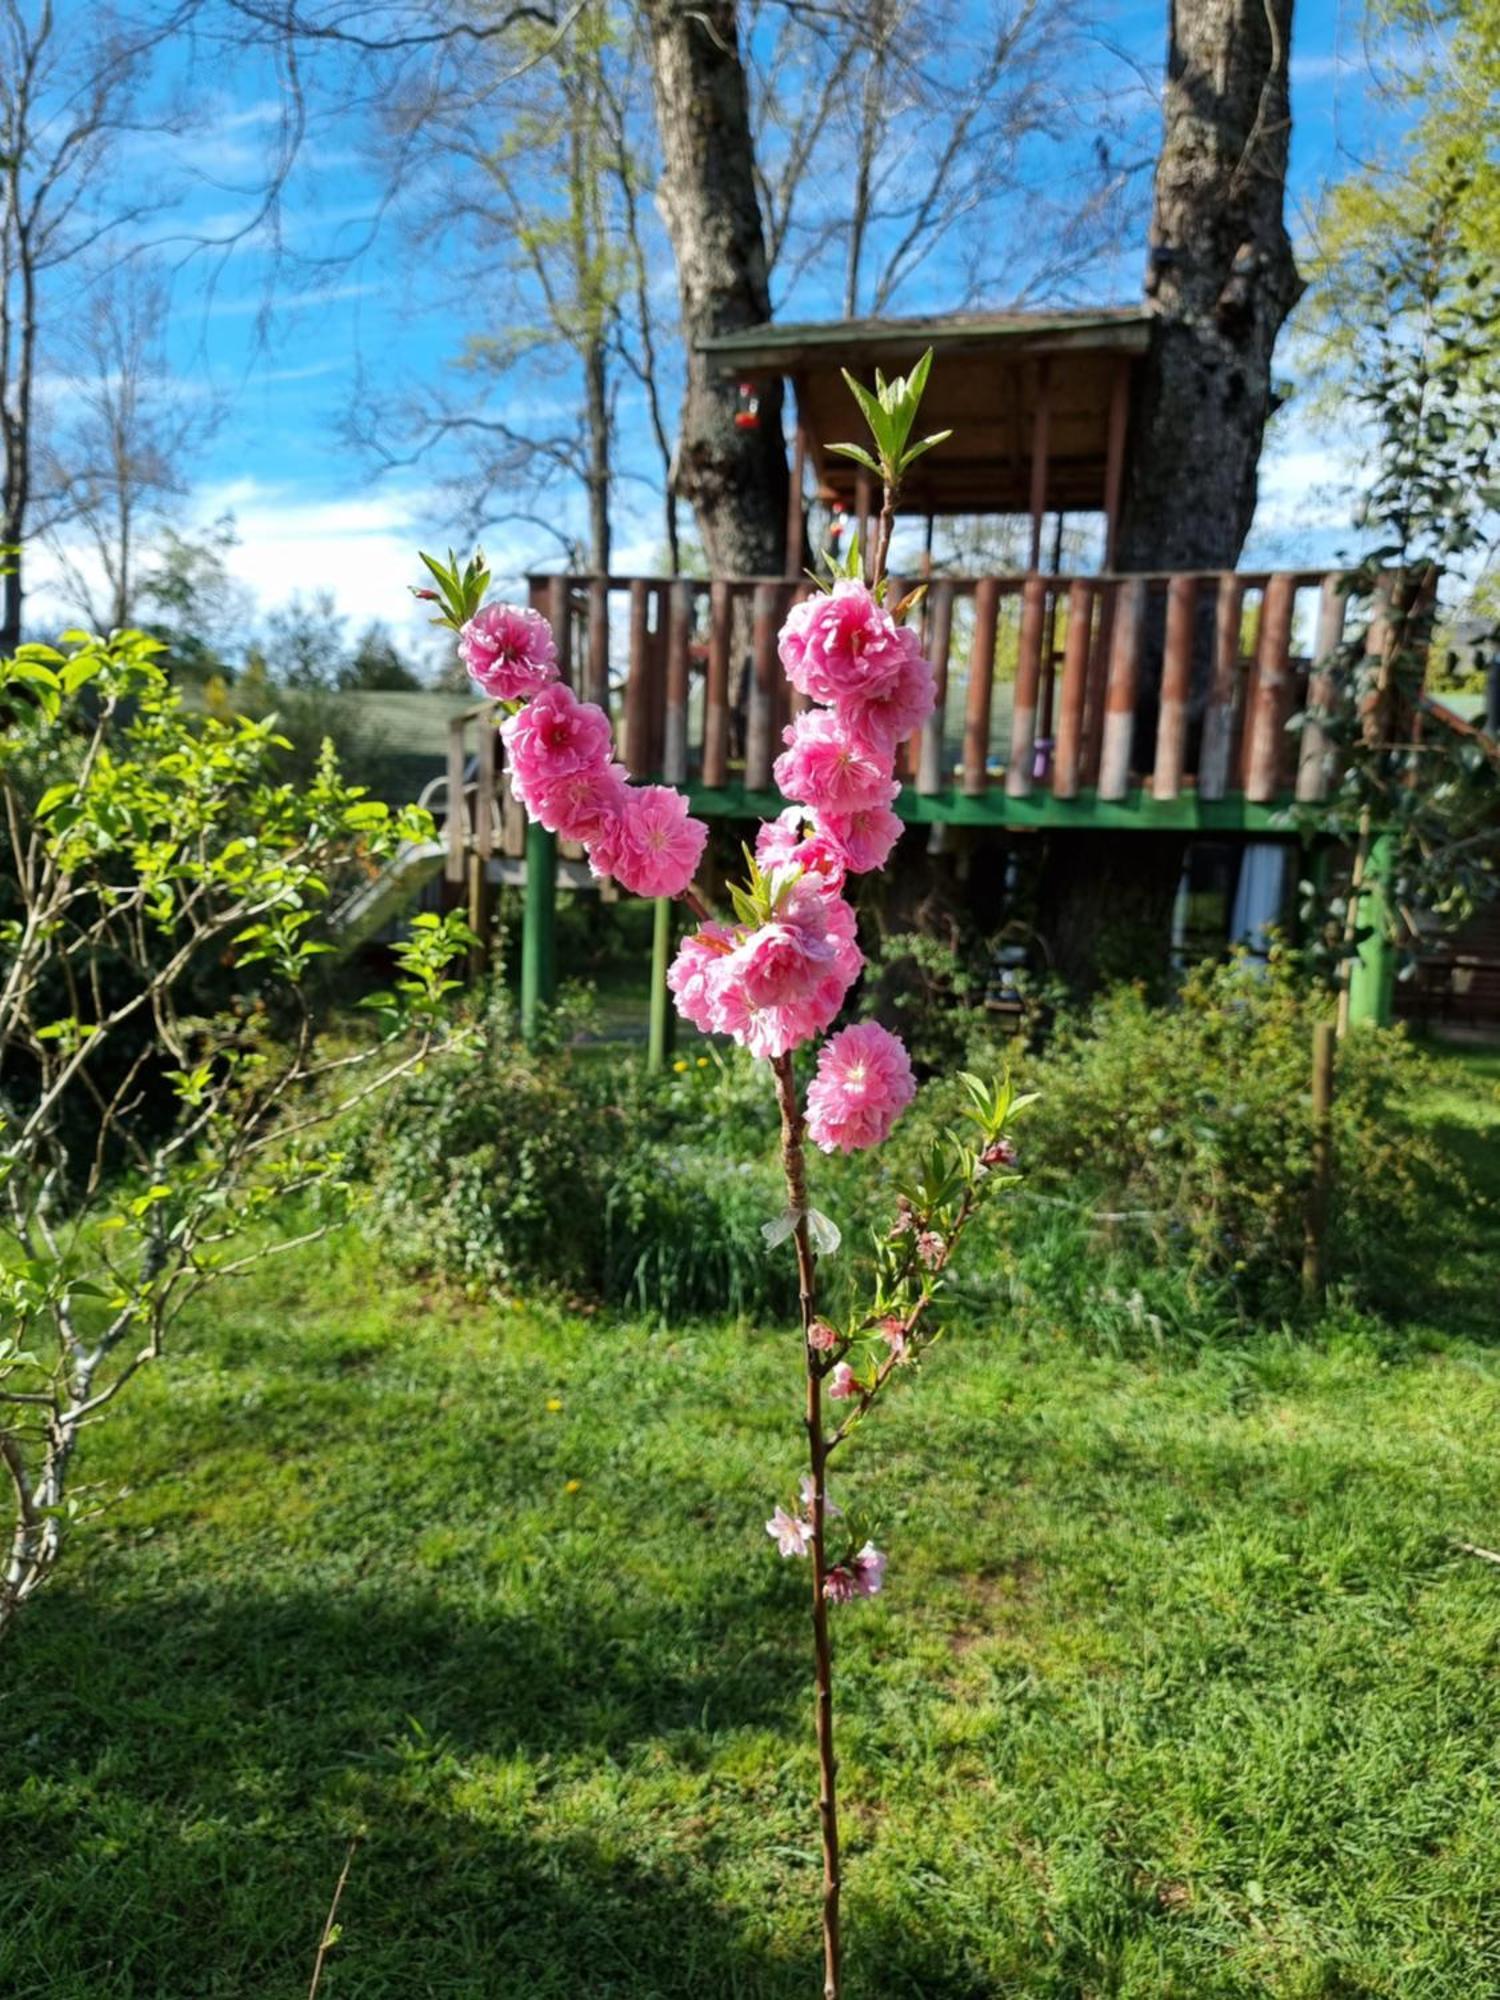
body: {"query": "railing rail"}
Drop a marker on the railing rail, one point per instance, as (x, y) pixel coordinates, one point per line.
(1165, 685)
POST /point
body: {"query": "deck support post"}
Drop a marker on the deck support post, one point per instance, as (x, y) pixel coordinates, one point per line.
(662, 1021)
(538, 929)
(1372, 974)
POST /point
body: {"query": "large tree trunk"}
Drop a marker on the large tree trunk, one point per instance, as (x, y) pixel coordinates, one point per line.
(735, 478)
(1222, 281)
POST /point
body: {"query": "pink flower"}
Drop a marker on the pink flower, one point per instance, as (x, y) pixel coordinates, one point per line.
(906, 1217)
(930, 1248)
(583, 805)
(844, 1384)
(821, 1336)
(789, 1534)
(826, 766)
(864, 838)
(653, 848)
(1000, 1154)
(893, 1332)
(885, 716)
(869, 1571)
(805, 1488)
(510, 652)
(796, 840)
(839, 1585)
(839, 645)
(863, 1084)
(781, 964)
(553, 736)
(694, 972)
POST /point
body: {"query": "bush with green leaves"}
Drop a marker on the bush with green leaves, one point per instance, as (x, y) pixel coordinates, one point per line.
(1187, 1131)
(163, 898)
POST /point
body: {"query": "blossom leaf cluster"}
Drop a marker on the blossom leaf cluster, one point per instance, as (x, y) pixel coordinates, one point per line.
(890, 410)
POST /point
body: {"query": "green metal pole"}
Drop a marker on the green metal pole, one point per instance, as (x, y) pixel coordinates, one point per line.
(538, 927)
(1372, 976)
(663, 1021)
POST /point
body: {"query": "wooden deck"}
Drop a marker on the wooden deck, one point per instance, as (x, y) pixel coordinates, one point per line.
(1064, 701)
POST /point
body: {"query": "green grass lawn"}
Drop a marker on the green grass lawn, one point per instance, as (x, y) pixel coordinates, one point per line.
(1178, 1688)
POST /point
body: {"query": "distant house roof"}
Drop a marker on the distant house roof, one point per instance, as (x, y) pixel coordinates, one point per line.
(1014, 387)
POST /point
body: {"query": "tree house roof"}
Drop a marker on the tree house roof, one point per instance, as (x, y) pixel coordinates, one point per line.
(1020, 391)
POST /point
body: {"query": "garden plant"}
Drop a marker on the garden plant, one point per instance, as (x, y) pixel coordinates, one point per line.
(773, 976)
(164, 1080)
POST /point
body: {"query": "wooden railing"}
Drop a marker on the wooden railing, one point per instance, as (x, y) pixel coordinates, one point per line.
(1054, 684)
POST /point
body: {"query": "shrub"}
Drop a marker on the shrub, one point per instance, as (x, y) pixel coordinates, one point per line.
(1188, 1130)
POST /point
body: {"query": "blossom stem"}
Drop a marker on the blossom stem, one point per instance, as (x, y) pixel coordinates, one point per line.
(794, 1167)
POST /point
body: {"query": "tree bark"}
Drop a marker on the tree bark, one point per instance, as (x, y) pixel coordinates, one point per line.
(1221, 282)
(1108, 904)
(734, 477)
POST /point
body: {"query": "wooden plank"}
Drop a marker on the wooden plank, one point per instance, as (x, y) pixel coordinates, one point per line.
(1028, 681)
(760, 746)
(674, 761)
(596, 686)
(1124, 682)
(716, 691)
(1176, 688)
(656, 736)
(1218, 720)
(1315, 753)
(1070, 704)
(976, 776)
(638, 681)
(1266, 749)
(1096, 683)
(456, 828)
(930, 772)
(484, 787)
(559, 612)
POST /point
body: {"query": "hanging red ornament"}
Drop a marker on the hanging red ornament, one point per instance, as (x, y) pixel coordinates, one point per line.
(747, 416)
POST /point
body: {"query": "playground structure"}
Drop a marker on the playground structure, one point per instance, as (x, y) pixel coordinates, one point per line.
(1067, 702)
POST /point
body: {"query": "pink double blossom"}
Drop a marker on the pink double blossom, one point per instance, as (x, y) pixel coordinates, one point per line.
(509, 651)
(869, 1571)
(653, 845)
(840, 646)
(884, 716)
(826, 766)
(798, 839)
(843, 1384)
(551, 738)
(773, 987)
(864, 838)
(583, 805)
(863, 1083)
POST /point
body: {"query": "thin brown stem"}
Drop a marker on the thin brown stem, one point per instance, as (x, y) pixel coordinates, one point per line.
(794, 1168)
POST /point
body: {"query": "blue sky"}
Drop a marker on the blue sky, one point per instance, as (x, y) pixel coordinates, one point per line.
(357, 313)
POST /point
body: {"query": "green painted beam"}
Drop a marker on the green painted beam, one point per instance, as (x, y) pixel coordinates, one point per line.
(1137, 812)
(538, 929)
(662, 1019)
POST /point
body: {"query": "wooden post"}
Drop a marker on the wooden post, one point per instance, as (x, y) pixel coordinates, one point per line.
(1320, 1188)
(662, 1018)
(765, 669)
(1176, 686)
(1218, 722)
(1041, 429)
(796, 527)
(483, 846)
(1028, 680)
(637, 692)
(1124, 678)
(1075, 672)
(1265, 722)
(1314, 761)
(456, 829)
(598, 668)
(716, 688)
(981, 678)
(1372, 976)
(559, 612)
(930, 772)
(538, 929)
(1114, 464)
(674, 763)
